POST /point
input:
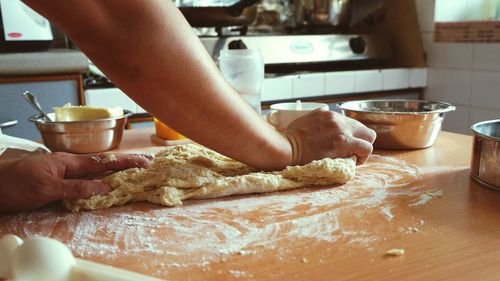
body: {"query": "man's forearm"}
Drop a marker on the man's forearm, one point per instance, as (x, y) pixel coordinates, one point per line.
(148, 50)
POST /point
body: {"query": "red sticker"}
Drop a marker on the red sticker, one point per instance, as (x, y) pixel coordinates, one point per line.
(14, 35)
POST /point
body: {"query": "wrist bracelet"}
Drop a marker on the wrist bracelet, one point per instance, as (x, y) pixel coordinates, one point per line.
(296, 147)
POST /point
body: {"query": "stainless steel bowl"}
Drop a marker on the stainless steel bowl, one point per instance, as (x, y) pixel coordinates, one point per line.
(400, 124)
(81, 136)
(485, 164)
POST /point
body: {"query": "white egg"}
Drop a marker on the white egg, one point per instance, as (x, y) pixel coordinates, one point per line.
(8, 246)
(42, 259)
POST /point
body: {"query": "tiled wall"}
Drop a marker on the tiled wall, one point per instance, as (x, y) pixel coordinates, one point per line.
(463, 10)
(335, 83)
(465, 74)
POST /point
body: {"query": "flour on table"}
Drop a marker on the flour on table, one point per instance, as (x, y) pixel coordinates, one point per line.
(199, 236)
(386, 211)
(427, 196)
(192, 171)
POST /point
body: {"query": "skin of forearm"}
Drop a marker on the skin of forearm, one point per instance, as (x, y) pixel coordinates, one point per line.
(149, 50)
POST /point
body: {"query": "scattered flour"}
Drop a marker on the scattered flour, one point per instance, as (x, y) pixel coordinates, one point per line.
(417, 227)
(110, 157)
(427, 196)
(103, 158)
(161, 240)
(240, 274)
(386, 211)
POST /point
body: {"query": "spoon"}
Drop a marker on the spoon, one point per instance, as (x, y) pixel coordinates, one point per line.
(31, 99)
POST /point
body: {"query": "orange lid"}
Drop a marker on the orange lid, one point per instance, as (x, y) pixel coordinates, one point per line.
(165, 132)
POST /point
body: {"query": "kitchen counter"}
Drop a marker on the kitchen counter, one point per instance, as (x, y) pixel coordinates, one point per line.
(422, 201)
(43, 63)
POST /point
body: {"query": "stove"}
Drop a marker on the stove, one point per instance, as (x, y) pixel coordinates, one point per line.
(295, 53)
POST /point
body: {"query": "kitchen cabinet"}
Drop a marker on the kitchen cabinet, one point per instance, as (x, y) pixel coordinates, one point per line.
(277, 88)
(309, 85)
(368, 81)
(395, 78)
(339, 82)
(51, 91)
(109, 97)
(342, 84)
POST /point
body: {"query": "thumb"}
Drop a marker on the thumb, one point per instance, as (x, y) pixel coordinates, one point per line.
(79, 189)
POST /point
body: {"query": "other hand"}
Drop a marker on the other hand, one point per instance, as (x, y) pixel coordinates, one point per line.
(36, 181)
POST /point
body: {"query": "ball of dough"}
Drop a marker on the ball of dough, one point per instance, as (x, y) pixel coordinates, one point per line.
(42, 259)
(8, 246)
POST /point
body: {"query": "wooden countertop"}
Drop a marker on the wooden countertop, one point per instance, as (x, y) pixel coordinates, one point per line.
(422, 201)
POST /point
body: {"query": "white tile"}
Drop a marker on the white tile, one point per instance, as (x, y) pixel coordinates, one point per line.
(339, 82)
(478, 115)
(474, 11)
(109, 97)
(457, 121)
(451, 10)
(368, 81)
(425, 13)
(435, 51)
(277, 88)
(439, 10)
(418, 77)
(457, 86)
(395, 78)
(434, 90)
(458, 55)
(139, 109)
(481, 10)
(486, 90)
(486, 56)
(309, 85)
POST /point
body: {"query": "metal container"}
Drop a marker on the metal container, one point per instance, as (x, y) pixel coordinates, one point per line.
(485, 164)
(218, 14)
(81, 136)
(400, 124)
(340, 13)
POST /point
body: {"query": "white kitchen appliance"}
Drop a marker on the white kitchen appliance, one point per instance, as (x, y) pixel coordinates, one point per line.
(22, 29)
(307, 52)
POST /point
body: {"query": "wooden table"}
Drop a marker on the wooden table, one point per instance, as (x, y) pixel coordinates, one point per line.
(422, 201)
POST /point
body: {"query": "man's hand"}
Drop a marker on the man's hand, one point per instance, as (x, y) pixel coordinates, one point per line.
(322, 134)
(37, 181)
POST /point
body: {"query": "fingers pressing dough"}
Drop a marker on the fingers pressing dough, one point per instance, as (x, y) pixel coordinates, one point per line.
(192, 171)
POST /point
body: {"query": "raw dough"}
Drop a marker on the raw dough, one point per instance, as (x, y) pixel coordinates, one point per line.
(192, 171)
(395, 252)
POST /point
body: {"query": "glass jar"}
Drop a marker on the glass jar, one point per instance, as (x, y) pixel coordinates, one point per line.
(244, 70)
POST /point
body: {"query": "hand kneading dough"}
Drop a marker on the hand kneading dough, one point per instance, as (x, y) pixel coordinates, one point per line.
(192, 171)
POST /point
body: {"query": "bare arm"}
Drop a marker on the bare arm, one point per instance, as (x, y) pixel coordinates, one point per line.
(149, 50)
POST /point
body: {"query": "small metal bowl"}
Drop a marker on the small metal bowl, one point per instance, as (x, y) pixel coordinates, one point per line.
(485, 164)
(400, 124)
(81, 136)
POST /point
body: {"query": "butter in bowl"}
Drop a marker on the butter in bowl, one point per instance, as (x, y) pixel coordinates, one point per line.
(82, 129)
(68, 113)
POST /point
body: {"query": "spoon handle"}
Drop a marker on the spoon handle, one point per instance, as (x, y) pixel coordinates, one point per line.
(31, 99)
